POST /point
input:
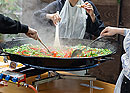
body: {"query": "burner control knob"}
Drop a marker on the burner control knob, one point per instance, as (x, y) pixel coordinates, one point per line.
(15, 79)
(7, 77)
(1, 76)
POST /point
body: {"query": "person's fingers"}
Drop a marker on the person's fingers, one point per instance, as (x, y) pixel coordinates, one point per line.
(34, 36)
(88, 7)
(103, 33)
(86, 3)
(55, 23)
(106, 34)
(29, 35)
(32, 33)
(56, 18)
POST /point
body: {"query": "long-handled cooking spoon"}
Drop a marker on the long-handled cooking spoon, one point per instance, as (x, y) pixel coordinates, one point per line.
(44, 45)
(79, 51)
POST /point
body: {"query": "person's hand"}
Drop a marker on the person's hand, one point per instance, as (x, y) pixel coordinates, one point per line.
(32, 33)
(89, 8)
(54, 17)
(109, 31)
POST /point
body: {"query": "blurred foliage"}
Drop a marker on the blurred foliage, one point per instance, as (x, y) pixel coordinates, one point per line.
(12, 9)
(118, 1)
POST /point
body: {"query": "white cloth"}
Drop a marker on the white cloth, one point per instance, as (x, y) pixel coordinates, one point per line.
(73, 21)
(125, 62)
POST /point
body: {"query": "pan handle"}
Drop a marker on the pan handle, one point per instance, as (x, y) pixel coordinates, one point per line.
(104, 59)
(3, 53)
(19, 38)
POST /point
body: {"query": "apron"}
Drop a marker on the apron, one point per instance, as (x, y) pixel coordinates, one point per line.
(73, 21)
(125, 63)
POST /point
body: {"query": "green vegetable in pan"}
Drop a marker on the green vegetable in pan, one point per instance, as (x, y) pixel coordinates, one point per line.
(35, 50)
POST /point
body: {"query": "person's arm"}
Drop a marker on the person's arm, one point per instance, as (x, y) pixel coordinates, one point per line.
(110, 31)
(94, 27)
(10, 26)
(43, 14)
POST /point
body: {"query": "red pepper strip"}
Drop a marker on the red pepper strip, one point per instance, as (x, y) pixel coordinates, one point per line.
(18, 53)
(37, 55)
(24, 51)
(59, 56)
(70, 53)
(66, 55)
(48, 54)
(54, 53)
(85, 55)
(34, 48)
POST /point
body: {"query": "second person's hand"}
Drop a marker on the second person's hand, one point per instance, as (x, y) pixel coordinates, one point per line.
(89, 8)
(54, 17)
(109, 31)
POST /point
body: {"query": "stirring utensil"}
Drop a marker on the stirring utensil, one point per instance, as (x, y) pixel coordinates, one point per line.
(79, 51)
(44, 45)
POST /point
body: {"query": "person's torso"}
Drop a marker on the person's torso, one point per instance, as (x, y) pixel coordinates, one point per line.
(126, 57)
(73, 21)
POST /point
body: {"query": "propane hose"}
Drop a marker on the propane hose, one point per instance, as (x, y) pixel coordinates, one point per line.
(27, 85)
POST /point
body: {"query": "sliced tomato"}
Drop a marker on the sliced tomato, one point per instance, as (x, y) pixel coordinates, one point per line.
(34, 48)
(54, 53)
(18, 53)
(24, 52)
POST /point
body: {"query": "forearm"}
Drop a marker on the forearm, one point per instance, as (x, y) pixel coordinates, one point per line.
(48, 16)
(9, 26)
(94, 13)
(44, 13)
(120, 31)
(93, 17)
(96, 27)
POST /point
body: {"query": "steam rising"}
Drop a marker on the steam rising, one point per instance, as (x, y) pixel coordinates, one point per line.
(45, 30)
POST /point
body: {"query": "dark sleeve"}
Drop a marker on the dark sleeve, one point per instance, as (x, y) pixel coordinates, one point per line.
(49, 9)
(96, 27)
(9, 26)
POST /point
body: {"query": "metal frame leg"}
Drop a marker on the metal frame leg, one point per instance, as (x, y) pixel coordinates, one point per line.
(52, 75)
(37, 87)
(91, 86)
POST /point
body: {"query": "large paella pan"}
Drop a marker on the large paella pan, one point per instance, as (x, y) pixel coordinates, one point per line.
(52, 62)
